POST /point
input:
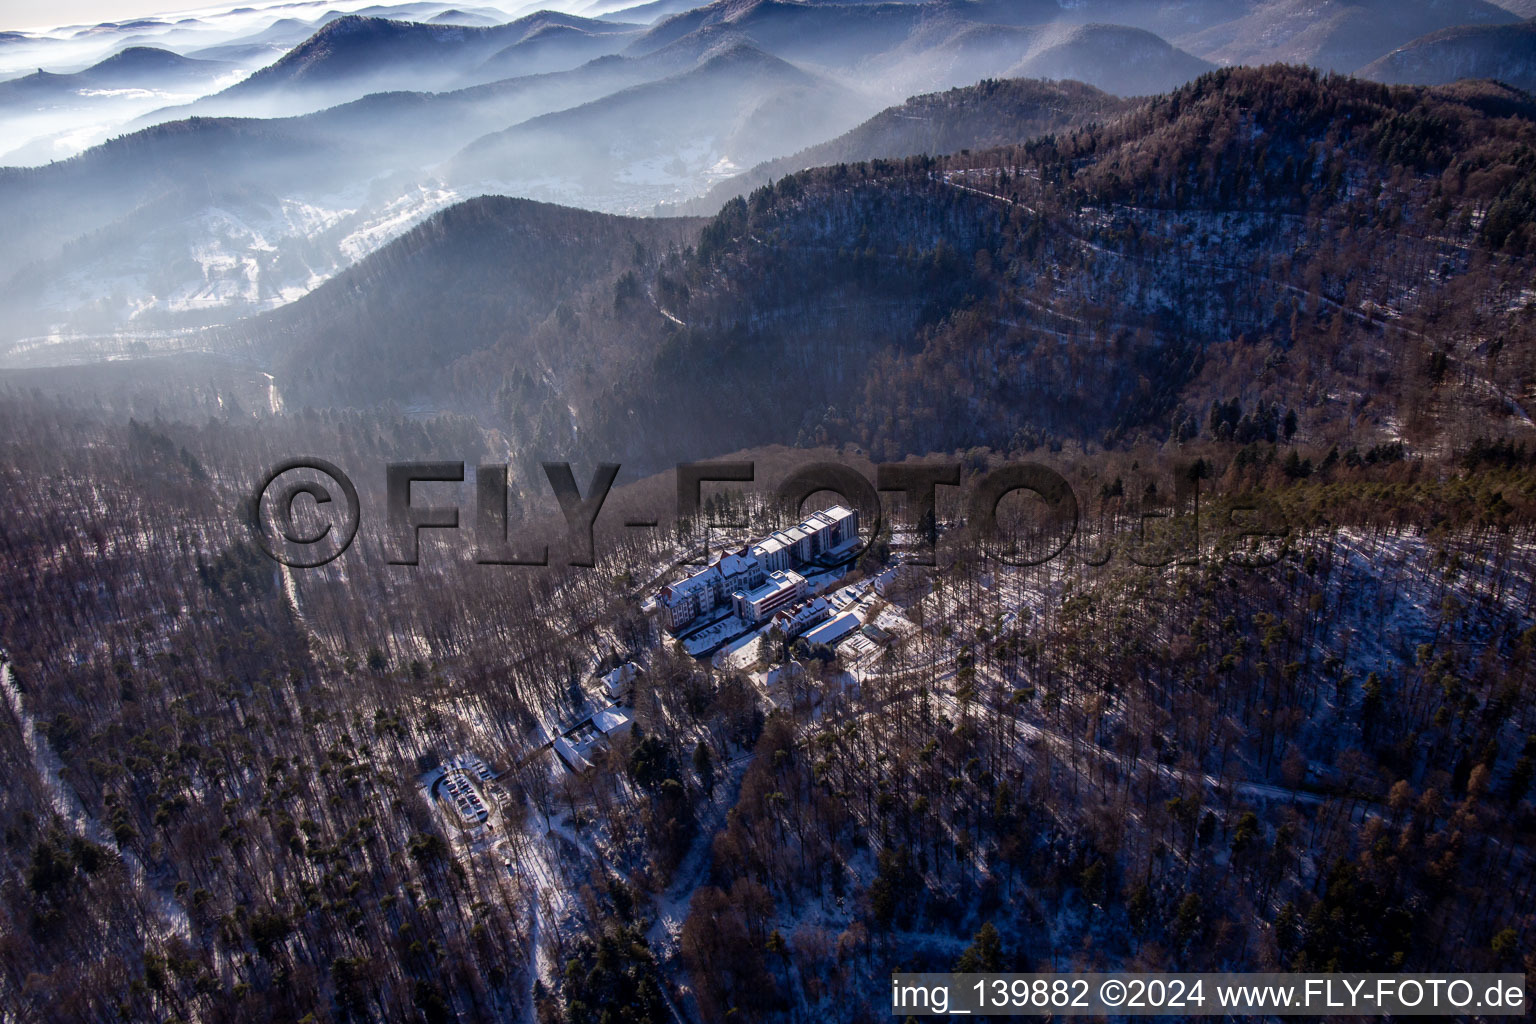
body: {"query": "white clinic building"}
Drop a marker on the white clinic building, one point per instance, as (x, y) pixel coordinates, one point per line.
(714, 585)
(822, 532)
(759, 579)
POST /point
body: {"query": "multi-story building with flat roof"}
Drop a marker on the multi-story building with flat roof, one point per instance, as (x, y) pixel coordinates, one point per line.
(740, 577)
(805, 542)
(783, 587)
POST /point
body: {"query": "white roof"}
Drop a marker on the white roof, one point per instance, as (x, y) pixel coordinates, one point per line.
(834, 629)
(818, 521)
(734, 565)
(815, 606)
(771, 545)
(564, 748)
(777, 582)
(788, 670)
(688, 584)
(621, 675)
(610, 719)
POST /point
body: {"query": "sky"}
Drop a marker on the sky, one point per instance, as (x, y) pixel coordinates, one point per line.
(30, 14)
(23, 15)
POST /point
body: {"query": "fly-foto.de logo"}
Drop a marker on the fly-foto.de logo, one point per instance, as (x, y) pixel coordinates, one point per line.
(305, 512)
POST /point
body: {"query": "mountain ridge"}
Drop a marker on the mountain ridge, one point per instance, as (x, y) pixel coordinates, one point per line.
(728, 105)
(991, 113)
(134, 67)
(1333, 35)
(1506, 53)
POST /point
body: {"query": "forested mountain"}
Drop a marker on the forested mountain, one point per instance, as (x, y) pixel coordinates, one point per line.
(351, 56)
(47, 207)
(508, 265)
(1141, 62)
(1170, 19)
(554, 46)
(926, 304)
(44, 109)
(83, 231)
(454, 16)
(736, 106)
(361, 47)
(134, 67)
(992, 113)
(687, 103)
(843, 32)
(1115, 58)
(907, 47)
(1506, 53)
(273, 41)
(1334, 35)
(122, 232)
(388, 119)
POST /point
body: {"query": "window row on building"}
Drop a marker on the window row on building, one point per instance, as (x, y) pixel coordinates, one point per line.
(759, 579)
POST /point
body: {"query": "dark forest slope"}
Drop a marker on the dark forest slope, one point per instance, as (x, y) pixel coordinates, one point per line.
(982, 116)
(493, 268)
